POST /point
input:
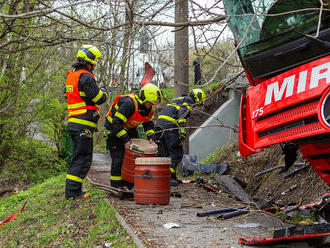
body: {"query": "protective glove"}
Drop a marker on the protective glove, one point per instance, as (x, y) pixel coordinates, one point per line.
(104, 91)
(182, 133)
(152, 136)
(128, 145)
(106, 133)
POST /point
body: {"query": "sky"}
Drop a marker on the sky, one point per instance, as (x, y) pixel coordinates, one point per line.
(168, 35)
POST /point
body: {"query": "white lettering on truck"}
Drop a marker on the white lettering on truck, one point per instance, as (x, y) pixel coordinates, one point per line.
(318, 73)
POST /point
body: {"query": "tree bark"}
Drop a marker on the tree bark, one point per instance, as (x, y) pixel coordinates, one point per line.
(181, 57)
(123, 64)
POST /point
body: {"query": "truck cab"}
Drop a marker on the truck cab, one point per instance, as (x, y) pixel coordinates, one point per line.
(284, 47)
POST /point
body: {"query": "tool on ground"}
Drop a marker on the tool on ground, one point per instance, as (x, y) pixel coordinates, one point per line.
(201, 183)
(12, 216)
(296, 171)
(234, 214)
(269, 170)
(219, 211)
(191, 205)
(120, 193)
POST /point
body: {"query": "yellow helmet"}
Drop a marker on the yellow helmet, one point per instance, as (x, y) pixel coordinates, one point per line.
(198, 95)
(149, 93)
(89, 53)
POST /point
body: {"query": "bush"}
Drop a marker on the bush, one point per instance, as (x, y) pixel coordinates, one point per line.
(31, 162)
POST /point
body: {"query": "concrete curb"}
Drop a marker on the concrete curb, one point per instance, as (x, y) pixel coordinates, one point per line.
(124, 224)
(129, 230)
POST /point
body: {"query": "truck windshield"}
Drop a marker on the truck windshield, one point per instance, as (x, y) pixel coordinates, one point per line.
(264, 24)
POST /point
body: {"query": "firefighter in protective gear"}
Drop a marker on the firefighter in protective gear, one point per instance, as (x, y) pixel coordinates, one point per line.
(174, 115)
(83, 97)
(126, 113)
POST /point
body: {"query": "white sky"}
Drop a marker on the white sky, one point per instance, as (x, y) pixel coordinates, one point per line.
(168, 35)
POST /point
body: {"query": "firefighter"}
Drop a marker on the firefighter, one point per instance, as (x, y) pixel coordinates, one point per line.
(197, 71)
(126, 113)
(83, 96)
(174, 115)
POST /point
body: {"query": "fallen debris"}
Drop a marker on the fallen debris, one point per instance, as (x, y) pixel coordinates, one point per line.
(189, 166)
(269, 170)
(191, 205)
(116, 192)
(289, 189)
(208, 188)
(171, 225)
(319, 208)
(219, 211)
(248, 225)
(12, 216)
(297, 232)
(234, 187)
(234, 214)
(276, 168)
(296, 171)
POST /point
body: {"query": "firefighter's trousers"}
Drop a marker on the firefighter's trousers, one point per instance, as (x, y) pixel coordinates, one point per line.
(117, 151)
(80, 163)
(170, 145)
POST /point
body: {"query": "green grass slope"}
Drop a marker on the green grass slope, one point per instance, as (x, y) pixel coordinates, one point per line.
(51, 221)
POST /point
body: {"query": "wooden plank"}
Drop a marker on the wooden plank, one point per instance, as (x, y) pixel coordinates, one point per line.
(112, 190)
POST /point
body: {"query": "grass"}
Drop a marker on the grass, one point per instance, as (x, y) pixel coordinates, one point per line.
(218, 154)
(51, 221)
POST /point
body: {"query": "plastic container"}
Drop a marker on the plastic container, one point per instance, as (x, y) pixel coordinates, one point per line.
(152, 180)
(139, 148)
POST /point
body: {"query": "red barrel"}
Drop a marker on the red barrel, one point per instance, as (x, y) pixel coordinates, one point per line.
(128, 167)
(152, 180)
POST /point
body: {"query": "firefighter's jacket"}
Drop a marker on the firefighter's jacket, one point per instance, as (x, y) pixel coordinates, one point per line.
(175, 113)
(83, 96)
(125, 113)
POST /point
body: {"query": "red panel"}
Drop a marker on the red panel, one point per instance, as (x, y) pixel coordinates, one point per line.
(287, 117)
(322, 165)
(292, 134)
(300, 84)
(295, 96)
(244, 149)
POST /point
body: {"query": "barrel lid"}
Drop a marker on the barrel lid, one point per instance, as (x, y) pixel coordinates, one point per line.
(143, 146)
(152, 160)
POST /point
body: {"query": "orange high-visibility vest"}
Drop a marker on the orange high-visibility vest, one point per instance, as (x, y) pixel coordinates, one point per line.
(76, 105)
(136, 119)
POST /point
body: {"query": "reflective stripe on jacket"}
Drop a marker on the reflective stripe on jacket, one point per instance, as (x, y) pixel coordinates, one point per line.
(76, 105)
(175, 113)
(135, 120)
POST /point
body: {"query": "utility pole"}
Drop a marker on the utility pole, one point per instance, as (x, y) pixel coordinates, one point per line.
(181, 52)
(181, 56)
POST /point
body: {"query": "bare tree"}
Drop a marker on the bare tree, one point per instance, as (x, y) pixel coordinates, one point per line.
(181, 76)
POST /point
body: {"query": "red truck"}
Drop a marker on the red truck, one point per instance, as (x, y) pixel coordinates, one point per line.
(284, 47)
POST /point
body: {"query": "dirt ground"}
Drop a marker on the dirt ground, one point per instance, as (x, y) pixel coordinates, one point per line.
(148, 221)
(308, 186)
